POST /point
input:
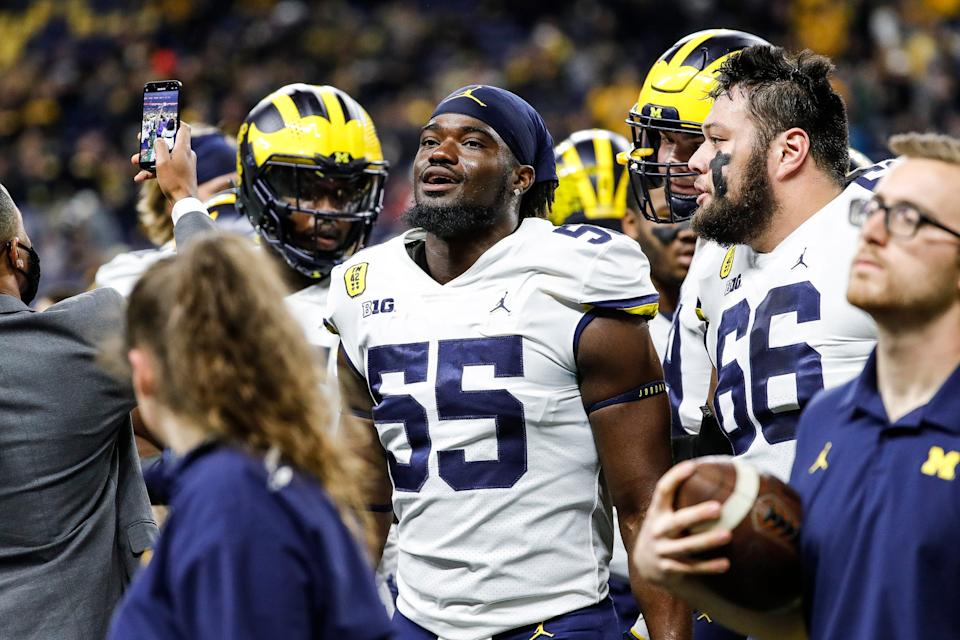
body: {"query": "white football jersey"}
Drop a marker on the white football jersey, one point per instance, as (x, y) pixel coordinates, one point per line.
(779, 329)
(123, 271)
(659, 327)
(309, 306)
(502, 515)
(687, 366)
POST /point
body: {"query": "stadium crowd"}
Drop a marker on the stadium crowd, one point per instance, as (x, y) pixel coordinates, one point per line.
(425, 334)
(73, 73)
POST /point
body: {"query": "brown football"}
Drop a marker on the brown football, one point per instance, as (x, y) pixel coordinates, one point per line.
(764, 515)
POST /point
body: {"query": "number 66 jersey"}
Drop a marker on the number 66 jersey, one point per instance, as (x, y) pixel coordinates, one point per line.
(497, 486)
(780, 328)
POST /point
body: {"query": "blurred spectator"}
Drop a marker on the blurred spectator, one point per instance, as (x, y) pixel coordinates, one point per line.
(264, 537)
(73, 74)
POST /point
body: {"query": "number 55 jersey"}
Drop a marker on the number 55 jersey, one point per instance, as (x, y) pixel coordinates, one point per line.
(497, 486)
(780, 329)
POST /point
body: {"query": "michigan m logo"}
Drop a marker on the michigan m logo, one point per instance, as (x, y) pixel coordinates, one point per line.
(941, 464)
(341, 157)
(656, 112)
(469, 94)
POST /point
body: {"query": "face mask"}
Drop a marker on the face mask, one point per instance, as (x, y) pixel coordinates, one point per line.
(31, 273)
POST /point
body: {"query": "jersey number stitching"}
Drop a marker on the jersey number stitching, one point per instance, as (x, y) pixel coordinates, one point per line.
(505, 353)
(767, 362)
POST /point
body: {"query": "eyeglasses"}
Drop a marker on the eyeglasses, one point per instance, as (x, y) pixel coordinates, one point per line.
(901, 219)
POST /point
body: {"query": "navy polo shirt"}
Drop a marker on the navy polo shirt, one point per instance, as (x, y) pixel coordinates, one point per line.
(880, 541)
(243, 557)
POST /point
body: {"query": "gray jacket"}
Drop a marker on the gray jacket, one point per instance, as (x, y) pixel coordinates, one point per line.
(74, 514)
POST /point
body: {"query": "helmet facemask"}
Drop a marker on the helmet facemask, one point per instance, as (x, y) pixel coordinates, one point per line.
(303, 204)
(648, 174)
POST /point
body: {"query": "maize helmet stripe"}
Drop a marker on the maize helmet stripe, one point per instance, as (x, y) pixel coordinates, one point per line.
(574, 166)
(287, 108)
(623, 184)
(603, 177)
(593, 186)
(335, 112)
(690, 49)
(711, 50)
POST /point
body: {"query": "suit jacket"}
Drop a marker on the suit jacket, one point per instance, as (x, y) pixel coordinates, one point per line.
(74, 513)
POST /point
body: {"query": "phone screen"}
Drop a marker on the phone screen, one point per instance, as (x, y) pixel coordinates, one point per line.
(161, 118)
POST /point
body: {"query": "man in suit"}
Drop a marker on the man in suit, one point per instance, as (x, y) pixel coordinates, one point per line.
(74, 514)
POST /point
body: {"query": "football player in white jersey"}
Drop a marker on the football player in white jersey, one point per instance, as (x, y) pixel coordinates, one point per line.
(311, 183)
(216, 170)
(312, 179)
(593, 189)
(773, 193)
(504, 363)
(665, 124)
(773, 189)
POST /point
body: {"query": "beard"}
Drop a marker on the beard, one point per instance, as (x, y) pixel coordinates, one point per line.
(456, 220)
(730, 220)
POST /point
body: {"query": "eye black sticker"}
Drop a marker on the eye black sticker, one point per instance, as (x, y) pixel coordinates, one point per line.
(716, 166)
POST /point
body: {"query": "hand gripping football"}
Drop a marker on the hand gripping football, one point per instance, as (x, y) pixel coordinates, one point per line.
(764, 515)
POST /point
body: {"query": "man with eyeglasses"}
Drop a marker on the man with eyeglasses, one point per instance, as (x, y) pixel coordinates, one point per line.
(877, 458)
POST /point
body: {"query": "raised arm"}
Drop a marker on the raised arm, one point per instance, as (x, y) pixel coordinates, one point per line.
(177, 177)
(621, 382)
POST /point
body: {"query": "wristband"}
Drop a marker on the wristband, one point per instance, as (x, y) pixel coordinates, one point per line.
(183, 206)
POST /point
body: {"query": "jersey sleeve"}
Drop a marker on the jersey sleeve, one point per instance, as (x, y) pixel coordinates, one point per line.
(688, 367)
(619, 279)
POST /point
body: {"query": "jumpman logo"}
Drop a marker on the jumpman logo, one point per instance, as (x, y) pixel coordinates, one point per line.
(500, 304)
(821, 461)
(541, 633)
(800, 261)
(469, 94)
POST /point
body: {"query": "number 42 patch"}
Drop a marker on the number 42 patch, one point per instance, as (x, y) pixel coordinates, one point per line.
(355, 279)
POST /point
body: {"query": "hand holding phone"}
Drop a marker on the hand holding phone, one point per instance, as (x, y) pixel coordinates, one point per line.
(177, 170)
(161, 119)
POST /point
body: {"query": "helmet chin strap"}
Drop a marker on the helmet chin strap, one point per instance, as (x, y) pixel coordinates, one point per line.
(681, 207)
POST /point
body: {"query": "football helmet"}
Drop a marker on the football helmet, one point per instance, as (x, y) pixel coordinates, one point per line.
(675, 97)
(592, 185)
(300, 146)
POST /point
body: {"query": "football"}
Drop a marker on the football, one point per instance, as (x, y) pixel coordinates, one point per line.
(764, 515)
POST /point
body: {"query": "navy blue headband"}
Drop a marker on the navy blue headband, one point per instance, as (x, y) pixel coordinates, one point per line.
(514, 120)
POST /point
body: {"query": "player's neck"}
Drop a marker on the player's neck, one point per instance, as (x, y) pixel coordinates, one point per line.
(669, 296)
(797, 202)
(914, 360)
(448, 258)
(295, 280)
